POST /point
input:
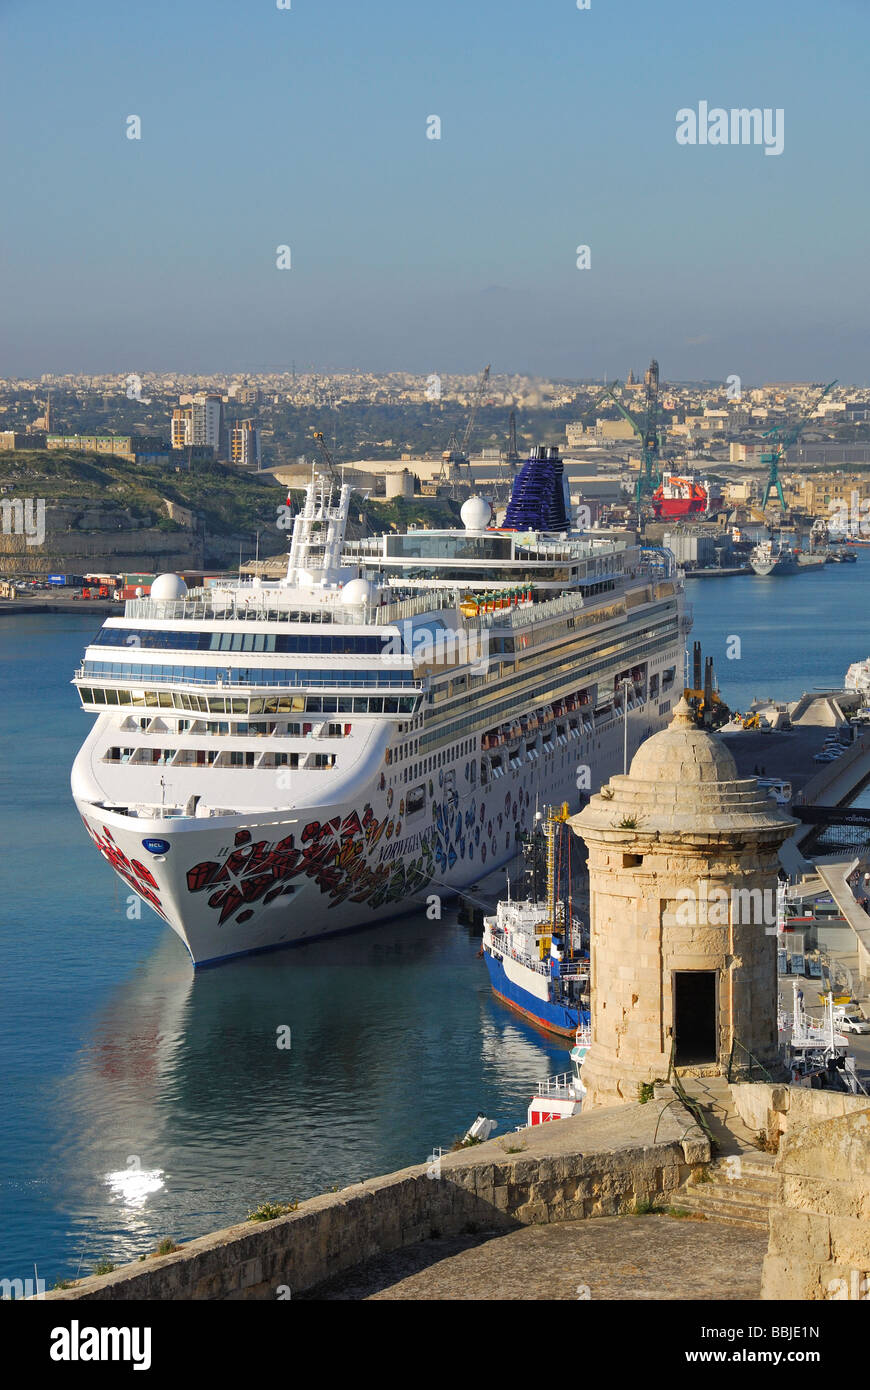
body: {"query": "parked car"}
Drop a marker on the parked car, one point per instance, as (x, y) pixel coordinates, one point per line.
(852, 1023)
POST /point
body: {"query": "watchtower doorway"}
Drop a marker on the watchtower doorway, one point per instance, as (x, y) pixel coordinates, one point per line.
(695, 1017)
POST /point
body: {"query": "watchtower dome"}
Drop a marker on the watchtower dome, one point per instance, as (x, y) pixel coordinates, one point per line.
(683, 871)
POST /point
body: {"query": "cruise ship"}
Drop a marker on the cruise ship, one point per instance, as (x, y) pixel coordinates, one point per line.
(276, 761)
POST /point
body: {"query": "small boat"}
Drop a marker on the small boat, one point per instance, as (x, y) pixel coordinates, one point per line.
(536, 949)
(560, 1097)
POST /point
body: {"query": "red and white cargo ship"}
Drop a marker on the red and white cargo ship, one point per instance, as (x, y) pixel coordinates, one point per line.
(684, 494)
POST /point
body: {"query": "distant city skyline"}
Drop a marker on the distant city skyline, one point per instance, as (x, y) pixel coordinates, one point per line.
(302, 137)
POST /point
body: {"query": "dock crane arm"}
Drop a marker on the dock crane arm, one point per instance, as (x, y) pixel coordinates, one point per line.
(791, 436)
(478, 397)
(327, 457)
(782, 442)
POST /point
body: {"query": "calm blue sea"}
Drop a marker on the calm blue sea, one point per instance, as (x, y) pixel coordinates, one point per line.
(140, 1102)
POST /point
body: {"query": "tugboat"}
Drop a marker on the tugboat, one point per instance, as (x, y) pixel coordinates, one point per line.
(536, 949)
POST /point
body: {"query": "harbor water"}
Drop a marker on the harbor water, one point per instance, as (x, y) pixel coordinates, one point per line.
(141, 1102)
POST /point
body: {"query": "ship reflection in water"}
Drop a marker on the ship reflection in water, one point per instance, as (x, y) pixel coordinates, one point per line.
(184, 1111)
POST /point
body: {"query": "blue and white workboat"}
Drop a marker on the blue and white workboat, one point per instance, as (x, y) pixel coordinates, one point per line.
(534, 946)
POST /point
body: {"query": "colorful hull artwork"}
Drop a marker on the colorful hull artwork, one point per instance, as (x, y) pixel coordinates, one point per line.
(284, 878)
(230, 891)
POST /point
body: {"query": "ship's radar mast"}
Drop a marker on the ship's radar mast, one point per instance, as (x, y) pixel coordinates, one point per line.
(318, 534)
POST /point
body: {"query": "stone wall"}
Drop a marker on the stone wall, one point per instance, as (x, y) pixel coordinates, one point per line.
(820, 1232)
(775, 1110)
(588, 1166)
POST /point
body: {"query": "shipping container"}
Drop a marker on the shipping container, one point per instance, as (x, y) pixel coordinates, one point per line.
(55, 578)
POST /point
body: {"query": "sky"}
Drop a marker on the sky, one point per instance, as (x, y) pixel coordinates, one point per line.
(307, 128)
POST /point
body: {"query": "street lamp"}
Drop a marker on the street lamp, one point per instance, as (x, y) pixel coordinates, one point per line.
(625, 682)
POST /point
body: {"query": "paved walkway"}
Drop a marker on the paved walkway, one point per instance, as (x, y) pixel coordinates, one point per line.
(608, 1257)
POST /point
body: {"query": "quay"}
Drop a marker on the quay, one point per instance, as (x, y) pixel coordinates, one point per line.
(787, 754)
(16, 607)
(719, 572)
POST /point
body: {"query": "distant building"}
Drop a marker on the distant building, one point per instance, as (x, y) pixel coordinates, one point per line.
(244, 445)
(14, 439)
(574, 432)
(614, 429)
(182, 426)
(136, 448)
(199, 422)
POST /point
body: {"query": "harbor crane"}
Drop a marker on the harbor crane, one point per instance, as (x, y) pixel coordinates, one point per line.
(456, 456)
(327, 457)
(648, 432)
(774, 455)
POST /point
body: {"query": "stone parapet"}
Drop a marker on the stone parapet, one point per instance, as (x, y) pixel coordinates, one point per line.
(586, 1166)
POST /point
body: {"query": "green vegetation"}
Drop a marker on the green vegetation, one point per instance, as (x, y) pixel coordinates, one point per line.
(167, 1246)
(645, 1207)
(228, 501)
(227, 504)
(645, 1091)
(467, 1143)
(270, 1211)
(103, 1267)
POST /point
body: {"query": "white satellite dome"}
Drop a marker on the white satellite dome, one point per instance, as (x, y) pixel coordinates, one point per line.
(358, 591)
(475, 514)
(168, 587)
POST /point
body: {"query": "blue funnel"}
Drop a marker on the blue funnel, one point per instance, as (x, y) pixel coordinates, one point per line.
(538, 497)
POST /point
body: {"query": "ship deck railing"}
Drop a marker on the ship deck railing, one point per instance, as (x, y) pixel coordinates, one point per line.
(257, 606)
(560, 1086)
(262, 606)
(568, 970)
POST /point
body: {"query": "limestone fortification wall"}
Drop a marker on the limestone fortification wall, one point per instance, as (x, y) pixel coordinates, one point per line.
(820, 1232)
(597, 1165)
(775, 1110)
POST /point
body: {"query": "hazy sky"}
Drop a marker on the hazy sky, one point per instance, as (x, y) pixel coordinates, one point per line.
(307, 127)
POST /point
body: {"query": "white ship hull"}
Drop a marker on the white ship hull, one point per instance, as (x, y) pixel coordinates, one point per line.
(279, 761)
(231, 885)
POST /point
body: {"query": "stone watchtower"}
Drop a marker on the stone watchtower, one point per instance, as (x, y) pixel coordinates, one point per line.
(682, 885)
